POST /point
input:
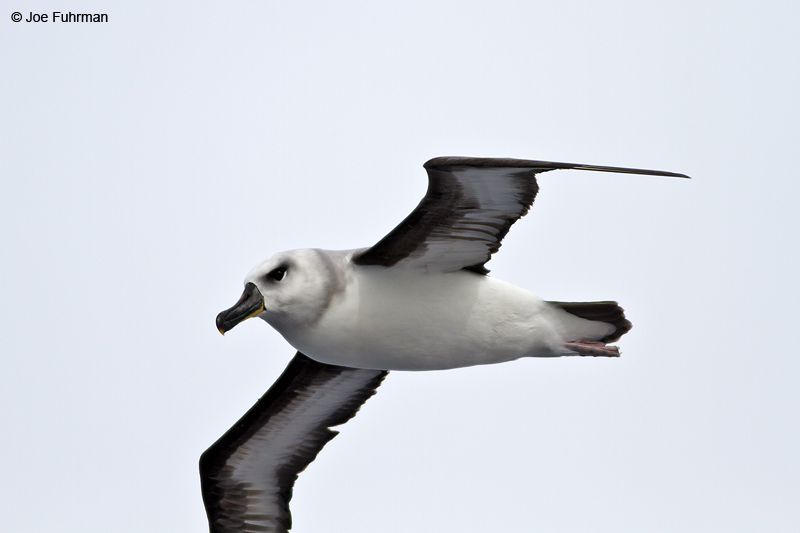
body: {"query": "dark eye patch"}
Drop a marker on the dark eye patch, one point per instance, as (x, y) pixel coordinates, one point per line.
(277, 274)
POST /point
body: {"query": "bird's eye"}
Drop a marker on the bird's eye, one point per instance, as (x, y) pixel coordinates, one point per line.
(277, 274)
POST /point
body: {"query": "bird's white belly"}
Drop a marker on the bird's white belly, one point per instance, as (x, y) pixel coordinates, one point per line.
(411, 321)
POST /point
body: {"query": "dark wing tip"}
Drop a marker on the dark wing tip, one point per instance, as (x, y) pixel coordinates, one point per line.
(447, 162)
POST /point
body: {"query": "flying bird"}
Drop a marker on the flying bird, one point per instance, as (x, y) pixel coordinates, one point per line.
(419, 299)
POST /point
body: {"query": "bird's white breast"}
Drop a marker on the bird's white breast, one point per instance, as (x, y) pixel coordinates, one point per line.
(404, 319)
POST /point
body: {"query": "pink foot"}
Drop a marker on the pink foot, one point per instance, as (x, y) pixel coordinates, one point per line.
(593, 348)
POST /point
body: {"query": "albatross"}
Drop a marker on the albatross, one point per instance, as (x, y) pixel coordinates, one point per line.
(419, 299)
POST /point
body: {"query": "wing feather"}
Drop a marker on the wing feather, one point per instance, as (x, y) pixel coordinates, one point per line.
(469, 207)
(248, 474)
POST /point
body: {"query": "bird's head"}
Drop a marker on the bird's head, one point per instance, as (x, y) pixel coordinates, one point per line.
(289, 290)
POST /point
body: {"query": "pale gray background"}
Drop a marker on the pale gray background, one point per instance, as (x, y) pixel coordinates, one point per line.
(149, 162)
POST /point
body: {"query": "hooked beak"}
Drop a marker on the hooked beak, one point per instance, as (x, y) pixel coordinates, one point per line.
(249, 305)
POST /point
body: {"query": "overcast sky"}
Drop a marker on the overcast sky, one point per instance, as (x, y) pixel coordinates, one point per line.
(149, 162)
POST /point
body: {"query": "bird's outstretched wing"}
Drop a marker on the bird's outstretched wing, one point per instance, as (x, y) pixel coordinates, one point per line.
(248, 474)
(470, 205)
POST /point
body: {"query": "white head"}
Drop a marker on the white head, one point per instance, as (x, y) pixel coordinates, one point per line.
(289, 290)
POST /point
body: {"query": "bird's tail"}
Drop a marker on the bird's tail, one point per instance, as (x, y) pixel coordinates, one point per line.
(608, 312)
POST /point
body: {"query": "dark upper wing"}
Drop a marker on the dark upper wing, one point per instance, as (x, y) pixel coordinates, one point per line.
(248, 474)
(470, 205)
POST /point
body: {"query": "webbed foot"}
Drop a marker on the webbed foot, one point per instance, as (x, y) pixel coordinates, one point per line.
(593, 348)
